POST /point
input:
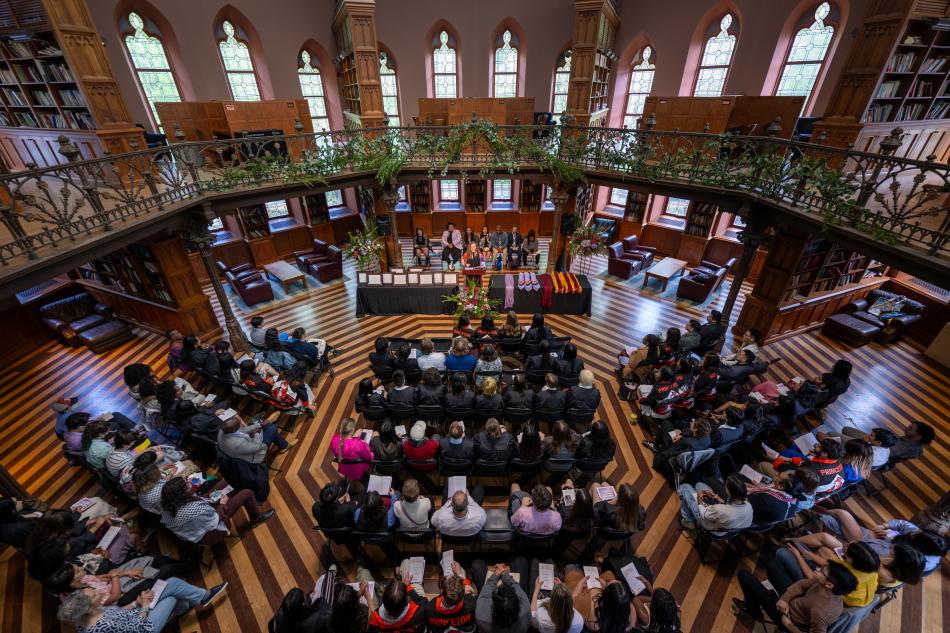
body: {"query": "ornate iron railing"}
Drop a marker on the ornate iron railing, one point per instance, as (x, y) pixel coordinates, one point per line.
(890, 199)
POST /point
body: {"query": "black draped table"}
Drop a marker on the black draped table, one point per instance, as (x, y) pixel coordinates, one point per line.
(530, 302)
(387, 300)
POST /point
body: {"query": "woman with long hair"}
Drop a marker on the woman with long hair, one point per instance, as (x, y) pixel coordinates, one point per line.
(636, 364)
(195, 519)
(532, 248)
(470, 236)
(420, 247)
(663, 615)
(578, 516)
(374, 515)
(472, 257)
(386, 446)
(484, 243)
(561, 443)
(367, 396)
(458, 395)
(460, 357)
(556, 613)
(597, 444)
(511, 327)
(274, 353)
(858, 455)
(530, 442)
(347, 445)
(623, 513)
(488, 361)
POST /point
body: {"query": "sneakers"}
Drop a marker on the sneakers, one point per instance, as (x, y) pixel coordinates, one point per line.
(290, 444)
(651, 446)
(261, 518)
(213, 593)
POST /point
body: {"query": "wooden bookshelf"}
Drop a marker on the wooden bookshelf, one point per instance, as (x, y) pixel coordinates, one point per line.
(475, 194)
(600, 83)
(316, 208)
(256, 228)
(532, 196)
(825, 266)
(701, 218)
(635, 209)
(420, 197)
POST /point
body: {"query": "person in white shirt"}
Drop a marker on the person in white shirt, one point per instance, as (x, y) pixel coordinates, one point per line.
(881, 441)
(461, 515)
(556, 612)
(750, 341)
(256, 335)
(430, 357)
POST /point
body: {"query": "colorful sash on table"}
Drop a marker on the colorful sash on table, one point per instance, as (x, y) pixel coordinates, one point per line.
(565, 283)
(547, 292)
(510, 291)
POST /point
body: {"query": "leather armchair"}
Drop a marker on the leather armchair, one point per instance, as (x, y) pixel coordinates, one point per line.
(253, 288)
(319, 253)
(910, 312)
(238, 271)
(621, 265)
(703, 280)
(329, 267)
(632, 248)
(79, 321)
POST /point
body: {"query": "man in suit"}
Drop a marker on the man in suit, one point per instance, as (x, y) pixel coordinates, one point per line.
(711, 331)
(400, 392)
(250, 442)
(451, 245)
(515, 240)
(745, 366)
(455, 447)
(550, 400)
(584, 395)
(381, 357)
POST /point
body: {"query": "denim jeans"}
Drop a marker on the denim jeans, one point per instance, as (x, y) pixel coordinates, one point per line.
(176, 599)
(271, 434)
(689, 508)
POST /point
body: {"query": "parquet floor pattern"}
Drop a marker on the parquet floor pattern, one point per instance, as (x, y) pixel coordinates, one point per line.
(892, 385)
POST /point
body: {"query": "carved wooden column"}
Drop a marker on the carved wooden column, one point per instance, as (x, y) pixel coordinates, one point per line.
(82, 46)
(595, 26)
(197, 235)
(562, 197)
(385, 201)
(354, 26)
(750, 244)
(870, 53)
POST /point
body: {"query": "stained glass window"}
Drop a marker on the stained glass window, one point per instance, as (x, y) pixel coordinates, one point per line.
(501, 190)
(277, 209)
(238, 66)
(641, 83)
(806, 56)
(717, 56)
(311, 86)
(216, 225)
(677, 207)
(506, 68)
(449, 190)
(562, 80)
(618, 197)
(151, 66)
(390, 89)
(402, 194)
(334, 198)
(444, 67)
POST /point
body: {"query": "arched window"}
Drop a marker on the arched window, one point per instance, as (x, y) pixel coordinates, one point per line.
(445, 68)
(506, 68)
(562, 81)
(717, 57)
(150, 62)
(311, 86)
(806, 55)
(390, 89)
(238, 65)
(641, 83)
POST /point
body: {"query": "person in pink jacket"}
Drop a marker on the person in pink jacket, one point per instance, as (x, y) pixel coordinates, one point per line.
(347, 445)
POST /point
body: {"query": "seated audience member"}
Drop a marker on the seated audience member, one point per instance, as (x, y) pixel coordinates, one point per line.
(429, 358)
(376, 514)
(562, 442)
(250, 442)
(292, 389)
(252, 374)
(711, 331)
(856, 461)
(202, 419)
(459, 396)
(455, 447)
(369, 396)
(637, 363)
(454, 608)
(570, 366)
(147, 483)
(556, 613)
(669, 347)
(419, 448)
(550, 401)
(809, 481)
(824, 460)
(381, 357)
(597, 443)
(775, 504)
(811, 604)
(120, 586)
(403, 359)
(122, 455)
(689, 340)
(132, 375)
(835, 382)
(858, 558)
(518, 396)
(911, 444)
(543, 361)
(533, 513)
(622, 513)
(176, 344)
(705, 381)
(274, 353)
(313, 350)
(412, 509)
(94, 445)
(486, 329)
(257, 332)
(695, 438)
(83, 608)
(75, 425)
(744, 367)
(463, 328)
(346, 444)
(511, 327)
(494, 443)
(401, 393)
(750, 341)
(713, 513)
(334, 508)
(462, 515)
(538, 331)
(658, 404)
(460, 357)
(489, 399)
(881, 441)
(729, 430)
(576, 509)
(15, 525)
(488, 361)
(402, 609)
(502, 605)
(584, 395)
(530, 443)
(386, 446)
(198, 520)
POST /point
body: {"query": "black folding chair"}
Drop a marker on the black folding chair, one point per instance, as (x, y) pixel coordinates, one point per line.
(433, 413)
(591, 468)
(455, 467)
(383, 373)
(374, 413)
(610, 535)
(483, 415)
(516, 417)
(578, 415)
(405, 413)
(337, 536)
(465, 414)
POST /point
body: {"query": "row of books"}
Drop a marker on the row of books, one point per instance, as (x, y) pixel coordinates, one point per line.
(887, 89)
(910, 112)
(939, 110)
(17, 49)
(922, 89)
(41, 97)
(71, 97)
(40, 48)
(7, 76)
(26, 73)
(14, 97)
(933, 65)
(56, 71)
(878, 113)
(901, 63)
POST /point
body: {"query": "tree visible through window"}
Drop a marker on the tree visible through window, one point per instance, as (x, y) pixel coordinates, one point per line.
(238, 66)
(390, 90)
(334, 198)
(501, 190)
(677, 207)
(444, 67)
(277, 209)
(562, 80)
(506, 68)
(717, 56)
(641, 83)
(151, 66)
(806, 55)
(311, 86)
(618, 197)
(449, 190)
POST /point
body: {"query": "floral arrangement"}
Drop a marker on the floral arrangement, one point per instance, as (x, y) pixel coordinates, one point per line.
(585, 241)
(366, 247)
(474, 301)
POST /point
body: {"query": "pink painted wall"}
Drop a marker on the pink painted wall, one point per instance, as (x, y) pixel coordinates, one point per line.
(402, 25)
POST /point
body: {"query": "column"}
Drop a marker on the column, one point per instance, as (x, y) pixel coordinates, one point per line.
(384, 202)
(595, 26)
(198, 237)
(560, 196)
(354, 26)
(750, 244)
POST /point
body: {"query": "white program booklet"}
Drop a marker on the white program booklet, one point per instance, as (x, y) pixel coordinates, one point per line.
(108, 537)
(806, 443)
(228, 414)
(644, 390)
(417, 569)
(606, 493)
(370, 586)
(593, 577)
(568, 496)
(546, 574)
(753, 475)
(456, 483)
(380, 484)
(632, 576)
(157, 589)
(448, 557)
(400, 430)
(366, 435)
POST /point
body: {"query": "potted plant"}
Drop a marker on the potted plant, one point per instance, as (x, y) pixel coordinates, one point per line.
(584, 243)
(366, 247)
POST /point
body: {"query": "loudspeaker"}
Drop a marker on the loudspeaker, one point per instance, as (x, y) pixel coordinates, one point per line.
(568, 223)
(382, 221)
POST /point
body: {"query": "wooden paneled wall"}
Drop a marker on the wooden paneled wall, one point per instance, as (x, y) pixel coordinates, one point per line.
(21, 146)
(801, 317)
(921, 139)
(541, 222)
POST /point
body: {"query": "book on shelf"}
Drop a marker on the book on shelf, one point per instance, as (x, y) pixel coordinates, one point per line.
(27, 73)
(878, 113)
(5, 120)
(901, 62)
(53, 120)
(53, 71)
(71, 97)
(25, 119)
(922, 89)
(933, 65)
(42, 97)
(910, 112)
(913, 40)
(7, 76)
(18, 49)
(14, 97)
(81, 120)
(47, 49)
(938, 110)
(887, 89)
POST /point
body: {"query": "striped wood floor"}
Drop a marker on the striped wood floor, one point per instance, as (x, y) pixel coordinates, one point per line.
(892, 385)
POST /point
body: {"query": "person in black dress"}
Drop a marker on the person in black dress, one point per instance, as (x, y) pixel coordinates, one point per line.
(420, 247)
